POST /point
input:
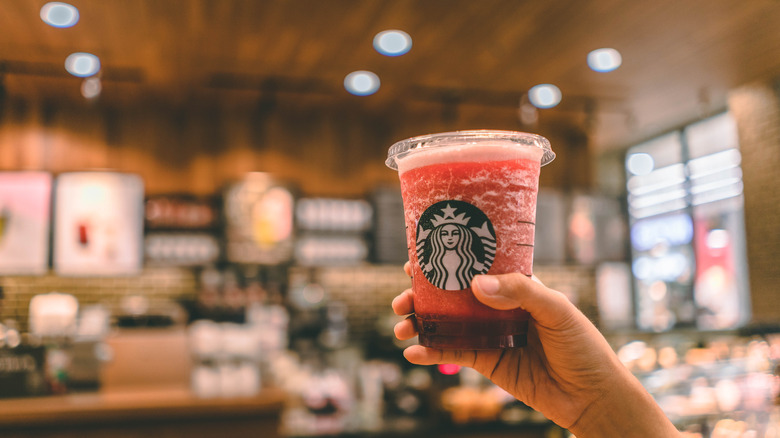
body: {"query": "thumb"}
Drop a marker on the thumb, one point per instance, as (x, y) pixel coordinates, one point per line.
(509, 291)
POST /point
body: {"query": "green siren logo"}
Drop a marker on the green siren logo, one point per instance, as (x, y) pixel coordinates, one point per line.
(455, 242)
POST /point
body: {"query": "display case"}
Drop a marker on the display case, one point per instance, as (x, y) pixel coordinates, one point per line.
(710, 383)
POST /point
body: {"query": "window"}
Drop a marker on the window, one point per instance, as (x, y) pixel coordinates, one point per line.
(687, 232)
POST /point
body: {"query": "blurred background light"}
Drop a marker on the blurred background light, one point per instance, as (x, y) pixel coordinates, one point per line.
(82, 64)
(640, 163)
(59, 14)
(392, 42)
(671, 230)
(717, 238)
(91, 88)
(544, 95)
(313, 293)
(448, 369)
(604, 60)
(361, 83)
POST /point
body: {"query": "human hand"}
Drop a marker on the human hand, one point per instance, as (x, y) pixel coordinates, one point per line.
(568, 371)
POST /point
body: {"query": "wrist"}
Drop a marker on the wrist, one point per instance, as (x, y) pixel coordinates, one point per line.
(625, 409)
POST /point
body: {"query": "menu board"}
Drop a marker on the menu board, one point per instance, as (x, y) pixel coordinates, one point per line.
(25, 199)
(181, 230)
(98, 228)
(259, 221)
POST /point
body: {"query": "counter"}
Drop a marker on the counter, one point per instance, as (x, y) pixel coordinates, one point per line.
(141, 413)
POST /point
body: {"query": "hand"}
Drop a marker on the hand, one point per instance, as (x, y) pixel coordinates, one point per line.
(568, 371)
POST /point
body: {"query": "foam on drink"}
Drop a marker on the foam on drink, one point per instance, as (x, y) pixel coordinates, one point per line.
(475, 153)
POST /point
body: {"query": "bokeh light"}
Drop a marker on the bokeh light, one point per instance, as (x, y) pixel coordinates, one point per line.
(392, 42)
(82, 64)
(604, 60)
(544, 95)
(362, 83)
(59, 14)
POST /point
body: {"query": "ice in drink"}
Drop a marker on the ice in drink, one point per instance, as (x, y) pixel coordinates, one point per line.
(470, 208)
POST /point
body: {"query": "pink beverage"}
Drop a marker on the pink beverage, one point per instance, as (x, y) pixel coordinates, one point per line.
(470, 207)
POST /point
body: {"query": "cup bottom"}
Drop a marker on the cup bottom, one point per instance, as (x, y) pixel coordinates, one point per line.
(472, 335)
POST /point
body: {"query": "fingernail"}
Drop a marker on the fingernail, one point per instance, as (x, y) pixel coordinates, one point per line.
(486, 284)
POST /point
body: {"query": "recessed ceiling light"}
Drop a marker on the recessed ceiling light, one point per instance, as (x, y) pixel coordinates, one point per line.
(604, 60)
(82, 64)
(544, 95)
(361, 83)
(392, 42)
(59, 14)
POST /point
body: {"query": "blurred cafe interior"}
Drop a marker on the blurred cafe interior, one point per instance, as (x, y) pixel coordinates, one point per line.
(199, 236)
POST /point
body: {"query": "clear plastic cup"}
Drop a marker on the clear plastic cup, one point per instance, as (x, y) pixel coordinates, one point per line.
(470, 208)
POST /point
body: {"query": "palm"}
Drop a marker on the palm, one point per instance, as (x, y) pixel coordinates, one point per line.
(555, 374)
(558, 382)
(559, 373)
(568, 371)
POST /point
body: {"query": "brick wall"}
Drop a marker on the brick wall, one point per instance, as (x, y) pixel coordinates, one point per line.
(368, 291)
(756, 108)
(157, 284)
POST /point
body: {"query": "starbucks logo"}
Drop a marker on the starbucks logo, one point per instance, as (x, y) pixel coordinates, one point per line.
(455, 242)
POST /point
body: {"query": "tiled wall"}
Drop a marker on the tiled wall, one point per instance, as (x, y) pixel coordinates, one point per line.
(157, 284)
(367, 290)
(575, 281)
(756, 108)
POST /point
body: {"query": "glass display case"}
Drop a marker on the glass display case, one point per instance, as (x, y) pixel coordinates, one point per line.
(709, 383)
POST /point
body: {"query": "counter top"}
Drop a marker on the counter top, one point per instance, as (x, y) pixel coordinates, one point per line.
(135, 405)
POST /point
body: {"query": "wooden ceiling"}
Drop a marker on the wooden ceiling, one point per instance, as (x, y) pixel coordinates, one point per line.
(680, 57)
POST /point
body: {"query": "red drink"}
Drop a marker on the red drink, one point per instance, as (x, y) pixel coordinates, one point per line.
(470, 207)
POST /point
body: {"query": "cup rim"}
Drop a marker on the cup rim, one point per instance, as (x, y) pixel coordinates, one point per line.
(442, 139)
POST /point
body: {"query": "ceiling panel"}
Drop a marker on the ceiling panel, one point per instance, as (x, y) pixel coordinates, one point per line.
(680, 56)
